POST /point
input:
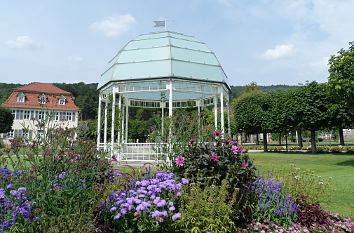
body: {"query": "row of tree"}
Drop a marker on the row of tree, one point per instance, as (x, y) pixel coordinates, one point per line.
(309, 107)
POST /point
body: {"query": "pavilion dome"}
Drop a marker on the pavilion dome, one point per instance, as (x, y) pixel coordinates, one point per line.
(161, 55)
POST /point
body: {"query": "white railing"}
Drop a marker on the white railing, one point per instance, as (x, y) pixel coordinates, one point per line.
(137, 152)
(142, 152)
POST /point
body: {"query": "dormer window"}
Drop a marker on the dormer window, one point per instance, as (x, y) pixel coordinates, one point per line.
(62, 100)
(42, 99)
(21, 98)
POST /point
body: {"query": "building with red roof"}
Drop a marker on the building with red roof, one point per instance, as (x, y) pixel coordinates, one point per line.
(36, 102)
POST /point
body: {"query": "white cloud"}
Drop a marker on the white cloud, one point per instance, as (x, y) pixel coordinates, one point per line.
(114, 25)
(20, 42)
(75, 59)
(279, 51)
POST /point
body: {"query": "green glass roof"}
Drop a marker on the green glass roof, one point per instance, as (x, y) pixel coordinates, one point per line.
(164, 55)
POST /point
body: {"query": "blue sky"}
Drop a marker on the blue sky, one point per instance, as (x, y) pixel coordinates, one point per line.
(266, 41)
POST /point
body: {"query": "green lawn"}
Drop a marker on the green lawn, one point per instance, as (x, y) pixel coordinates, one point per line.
(339, 167)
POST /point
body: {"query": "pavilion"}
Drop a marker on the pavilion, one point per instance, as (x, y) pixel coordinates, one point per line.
(165, 70)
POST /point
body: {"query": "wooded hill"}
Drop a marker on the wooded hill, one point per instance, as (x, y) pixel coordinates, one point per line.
(86, 95)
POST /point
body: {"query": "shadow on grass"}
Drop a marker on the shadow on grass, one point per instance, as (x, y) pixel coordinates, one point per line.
(346, 163)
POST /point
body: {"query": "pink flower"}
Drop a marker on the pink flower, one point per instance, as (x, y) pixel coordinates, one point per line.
(235, 149)
(243, 164)
(217, 133)
(180, 161)
(214, 157)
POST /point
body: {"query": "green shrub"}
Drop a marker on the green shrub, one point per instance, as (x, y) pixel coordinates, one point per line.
(206, 209)
(298, 182)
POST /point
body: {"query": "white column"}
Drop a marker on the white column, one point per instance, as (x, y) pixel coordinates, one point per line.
(113, 119)
(222, 109)
(98, 121)
(120, 114)
(105, 124)
(199, 103)
(215, 112)
(228, 118)
(170, 116)
(170, 100)
(122, 123)
(162, 116)
(126, 118)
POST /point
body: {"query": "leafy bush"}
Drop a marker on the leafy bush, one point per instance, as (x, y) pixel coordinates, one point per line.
(310, 215)
(147, 205)
(206, 209)
(272, 202)
(214, 162)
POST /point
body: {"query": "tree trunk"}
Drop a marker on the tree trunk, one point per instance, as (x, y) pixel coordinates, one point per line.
(341, 137)
(286, 141)
(257, 139)
(313, 141)
(265, 142)
(280, 139)
(299, 138)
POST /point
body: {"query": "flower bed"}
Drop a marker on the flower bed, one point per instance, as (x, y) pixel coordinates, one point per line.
(212, 187)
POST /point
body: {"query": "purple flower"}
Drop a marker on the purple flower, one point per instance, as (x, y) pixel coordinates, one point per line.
(243, 165)
(61, 175)
(9, 186)
(22, 189)
(14, 192)
(176, 216)
(235, 149)
(117, 216)
(180, 161)
(185, 181)
(2, 194)
(123, 211)
(214, 157)
(161, 203)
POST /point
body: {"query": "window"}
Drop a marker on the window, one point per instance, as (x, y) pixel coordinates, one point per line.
(33, 116)
(40, 115)
(56, 117)
(19, 114)
(73, 116)
(42, 99)
(11, 134)
(21, 98)
(62, 100)
(69, 116)
(26, 114)
(62, 116)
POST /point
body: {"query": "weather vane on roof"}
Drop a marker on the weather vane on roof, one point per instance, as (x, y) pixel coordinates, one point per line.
(161, 23)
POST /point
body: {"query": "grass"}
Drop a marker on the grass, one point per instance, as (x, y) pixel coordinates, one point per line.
(339, 167)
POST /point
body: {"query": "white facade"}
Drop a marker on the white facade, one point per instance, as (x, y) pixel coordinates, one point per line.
(27, 122)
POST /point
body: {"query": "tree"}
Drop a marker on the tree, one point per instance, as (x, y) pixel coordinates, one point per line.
(280, 113)
(6, 120)
(309, 109)
(253, 114)
(341, 86)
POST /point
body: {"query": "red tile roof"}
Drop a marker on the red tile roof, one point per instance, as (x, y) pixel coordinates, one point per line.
(42, 88)
(32, 92)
